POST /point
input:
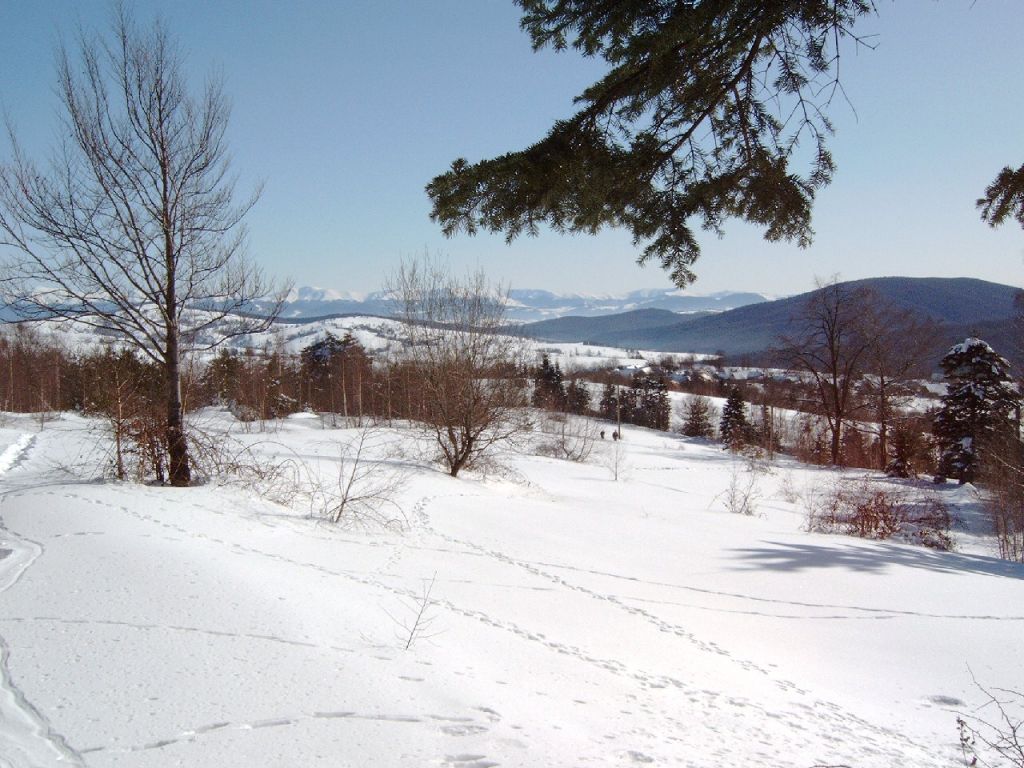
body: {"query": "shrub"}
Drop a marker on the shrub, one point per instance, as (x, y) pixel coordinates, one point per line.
(874, 513)
(569, 438)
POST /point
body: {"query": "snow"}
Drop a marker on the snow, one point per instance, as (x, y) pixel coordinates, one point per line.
(573, 620)
(315, 293)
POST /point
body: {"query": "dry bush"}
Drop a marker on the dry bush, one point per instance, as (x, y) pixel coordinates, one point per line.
(1002, 477)
(125, 391)
(363, 492)
(568, 438)
(869, 512)
(997, 737)
(356, 489)
(743, 491)
(218, 456)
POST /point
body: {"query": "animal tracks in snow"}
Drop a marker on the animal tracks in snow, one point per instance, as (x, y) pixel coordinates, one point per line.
(446, 726)
(27, 738)
(832, 719)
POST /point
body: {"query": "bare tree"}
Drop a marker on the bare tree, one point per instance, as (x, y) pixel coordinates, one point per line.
(568, 437)
(365, 486)
(468, 373)
(1002, 475)
(898, 343)
(132, 229)
(831, 349)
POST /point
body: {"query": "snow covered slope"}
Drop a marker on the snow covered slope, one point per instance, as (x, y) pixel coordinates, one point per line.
(573, 620)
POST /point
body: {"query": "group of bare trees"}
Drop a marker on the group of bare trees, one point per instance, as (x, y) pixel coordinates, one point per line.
(455, 378)
(132, 229)
(857, 353)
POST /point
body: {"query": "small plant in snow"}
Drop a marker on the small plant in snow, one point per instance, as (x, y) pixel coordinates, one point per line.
(998, 738)
(754, 456)
(417, 623)
(743, 491)
(364, 489)
(787, 488)
(614, 460)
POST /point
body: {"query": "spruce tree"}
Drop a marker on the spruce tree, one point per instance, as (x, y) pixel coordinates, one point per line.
(734, 426)
(609, 404)
(650, 404)
(548, 386)
(697, 417)
(705, 112)
(577, 398)
(683, 129)
(980, 403)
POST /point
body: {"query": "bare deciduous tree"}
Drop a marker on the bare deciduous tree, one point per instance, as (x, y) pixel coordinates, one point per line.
(568, 437)
(132, 228)
(898, 343)
(365, 487)
(1002, 475)
(467, 371)
(831, 350)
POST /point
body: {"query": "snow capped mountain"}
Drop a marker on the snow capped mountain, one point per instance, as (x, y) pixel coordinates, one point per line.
(525, 305)
(312, 293)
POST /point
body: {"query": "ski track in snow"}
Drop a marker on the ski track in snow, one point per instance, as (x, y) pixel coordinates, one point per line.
(27, 740)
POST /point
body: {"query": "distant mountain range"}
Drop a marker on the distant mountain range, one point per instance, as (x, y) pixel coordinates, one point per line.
(524, 305)
(745, 327)
(960, 306)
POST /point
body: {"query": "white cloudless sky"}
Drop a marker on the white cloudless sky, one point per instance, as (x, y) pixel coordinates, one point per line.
(345, 110)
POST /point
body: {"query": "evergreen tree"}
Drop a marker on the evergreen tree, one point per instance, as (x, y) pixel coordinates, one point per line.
(650, 403)
(609, 404)
(703, 114)
(697, 417)
(627, 405)
(549, 386)
(223, 375)
(334, 372)
(980, 402)
(577, 398)
(907, 450)
(684, 126)
(734, 427)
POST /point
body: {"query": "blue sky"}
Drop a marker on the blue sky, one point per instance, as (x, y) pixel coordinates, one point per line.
(345, 110)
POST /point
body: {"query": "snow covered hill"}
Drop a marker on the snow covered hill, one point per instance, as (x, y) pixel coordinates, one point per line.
(568, 619)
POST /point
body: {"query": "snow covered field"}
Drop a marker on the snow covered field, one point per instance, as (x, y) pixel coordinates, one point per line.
(573, 620)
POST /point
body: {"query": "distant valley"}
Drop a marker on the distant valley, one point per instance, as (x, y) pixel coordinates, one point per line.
(960, 306)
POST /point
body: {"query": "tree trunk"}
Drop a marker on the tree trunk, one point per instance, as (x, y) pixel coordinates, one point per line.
(836, 448)
(883, 423)
(177, 446)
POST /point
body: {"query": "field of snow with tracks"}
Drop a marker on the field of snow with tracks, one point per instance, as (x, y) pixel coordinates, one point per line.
(565, 618)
